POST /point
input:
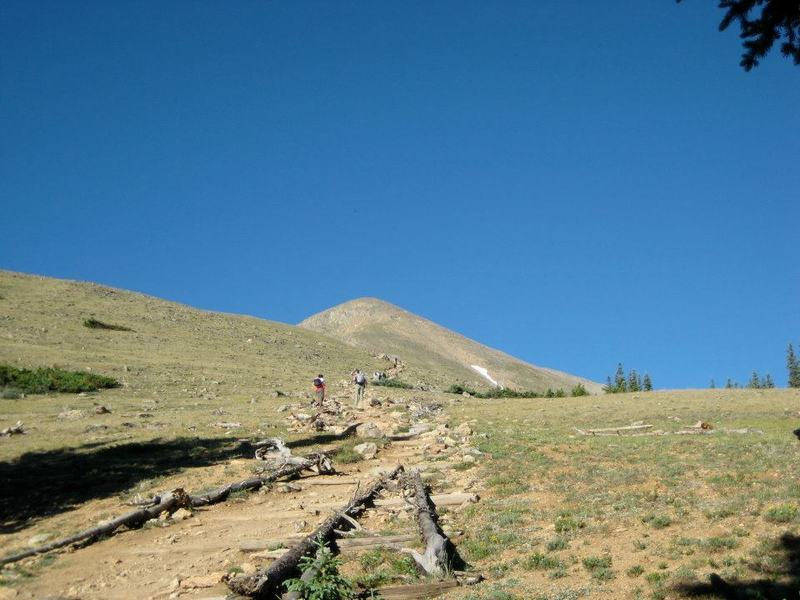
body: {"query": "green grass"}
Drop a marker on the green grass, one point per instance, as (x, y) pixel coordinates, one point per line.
(782, 513)
(51, 379)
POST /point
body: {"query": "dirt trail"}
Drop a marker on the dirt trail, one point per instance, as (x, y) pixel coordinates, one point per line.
(187, 558)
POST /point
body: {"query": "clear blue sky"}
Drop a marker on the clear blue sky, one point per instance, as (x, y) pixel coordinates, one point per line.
(576, 183)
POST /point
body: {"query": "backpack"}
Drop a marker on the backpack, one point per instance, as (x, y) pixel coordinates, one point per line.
(360, 379)
(317, 382)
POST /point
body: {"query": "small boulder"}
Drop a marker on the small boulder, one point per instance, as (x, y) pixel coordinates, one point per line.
(182, 514)
(464, 430)
(101, 410)
(368, 430)
(468, 459)
(367, 450)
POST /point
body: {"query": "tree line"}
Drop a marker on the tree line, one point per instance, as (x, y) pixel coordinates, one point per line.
(632, 382)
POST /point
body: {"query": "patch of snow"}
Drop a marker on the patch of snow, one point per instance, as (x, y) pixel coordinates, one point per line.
(485, 373)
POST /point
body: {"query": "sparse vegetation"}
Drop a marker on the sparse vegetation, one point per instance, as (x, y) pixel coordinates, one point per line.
(498, 392)
(393, 383)
(51, 379)
(93, 323)
(327, 583)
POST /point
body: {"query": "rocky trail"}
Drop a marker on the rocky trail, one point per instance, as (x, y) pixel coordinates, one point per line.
(189, 554)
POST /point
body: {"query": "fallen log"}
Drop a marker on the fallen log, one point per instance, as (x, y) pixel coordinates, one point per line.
(16, 429)
(372, 541)
(169, 503)
(417, 591)
(319, 460)
(266, 583)
(613, 430)
(437, 558)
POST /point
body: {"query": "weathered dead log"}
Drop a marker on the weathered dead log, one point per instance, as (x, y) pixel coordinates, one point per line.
(16, 429)
(266, 583)
(169, 503)
(318, 460)
(355, 543)
(613, 430)
(437, 558)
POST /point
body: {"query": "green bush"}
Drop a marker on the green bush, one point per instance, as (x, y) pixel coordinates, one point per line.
(499, 392)
(579, 390)
(95, 324)
(51, 379)
(393, 383)
(327, 583)
(783, 513)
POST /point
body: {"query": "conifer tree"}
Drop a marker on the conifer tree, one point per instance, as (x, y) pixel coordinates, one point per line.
(713, 385)
(647, 383)
(609, 387)
(767, 382)
(755, 382)
(793, 366)
(633, 381)
(620, 385)
(729, 384)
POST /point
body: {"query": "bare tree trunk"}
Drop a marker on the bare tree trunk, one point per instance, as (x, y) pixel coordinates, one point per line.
(438, 549)
(169, 502)
(174, 500)
(319, 460)
(266, 583)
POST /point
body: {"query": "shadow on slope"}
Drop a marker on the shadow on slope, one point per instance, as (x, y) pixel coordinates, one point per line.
(786, 582)
(40, 484)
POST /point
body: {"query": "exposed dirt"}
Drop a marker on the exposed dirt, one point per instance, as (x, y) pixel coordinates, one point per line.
(188, 558)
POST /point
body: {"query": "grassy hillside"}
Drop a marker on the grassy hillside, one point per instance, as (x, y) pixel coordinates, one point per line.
(433, 354)
(170, 347)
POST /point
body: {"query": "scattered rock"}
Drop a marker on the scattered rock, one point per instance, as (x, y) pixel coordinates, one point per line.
(464, 430)
(300, 525)
(227, 425)
(369, 430)
(71, 414)
(286, 488)
(367, 450)
(468, 458)
(282, 408)
(277, 394)
(101, 410)
(182, 514)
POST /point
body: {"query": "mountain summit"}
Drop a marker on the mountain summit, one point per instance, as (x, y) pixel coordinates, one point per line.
(433, 354)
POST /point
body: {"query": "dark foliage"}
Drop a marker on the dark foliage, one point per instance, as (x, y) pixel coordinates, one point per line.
(51, 379)
(762, 23)
(95, 324)
(509, 393)
(393, 383)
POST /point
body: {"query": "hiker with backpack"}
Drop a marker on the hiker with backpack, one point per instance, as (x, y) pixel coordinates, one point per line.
(319, 390)
(361, 383)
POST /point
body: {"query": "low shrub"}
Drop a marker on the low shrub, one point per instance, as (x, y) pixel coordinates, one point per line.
(393, 383)
(51, 379)
(95, 324)
(499, 392)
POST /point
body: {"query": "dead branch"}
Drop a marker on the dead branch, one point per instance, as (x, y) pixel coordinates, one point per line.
(169, 503)
(16, 429)
(317, 460)
(266, 583)
(437, 558)
(613, 430)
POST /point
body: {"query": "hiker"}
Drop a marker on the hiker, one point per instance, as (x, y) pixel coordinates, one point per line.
(319, 390)
(361, 383)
